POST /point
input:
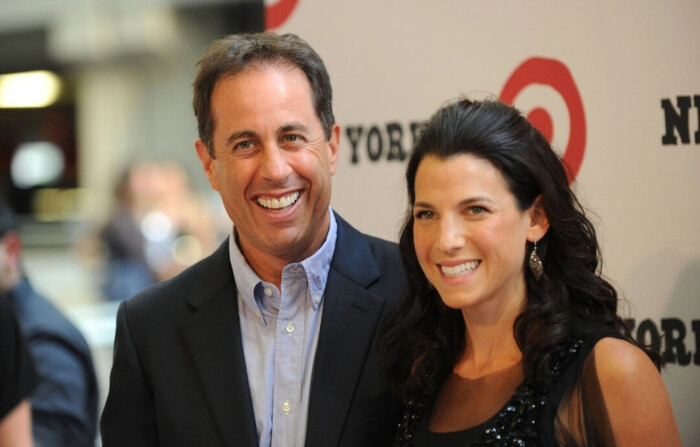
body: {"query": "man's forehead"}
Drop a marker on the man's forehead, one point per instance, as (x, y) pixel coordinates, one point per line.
(282, 66)
(224, 102)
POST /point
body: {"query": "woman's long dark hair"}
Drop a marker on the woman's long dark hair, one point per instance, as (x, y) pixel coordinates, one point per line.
(426, 338)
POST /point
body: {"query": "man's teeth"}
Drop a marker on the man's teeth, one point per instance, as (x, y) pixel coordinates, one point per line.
(461, 269)
(279, 203)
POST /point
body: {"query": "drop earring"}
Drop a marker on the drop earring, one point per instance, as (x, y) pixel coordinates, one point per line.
(536, 266)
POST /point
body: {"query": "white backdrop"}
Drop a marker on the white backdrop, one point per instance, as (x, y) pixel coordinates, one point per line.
(392, 63)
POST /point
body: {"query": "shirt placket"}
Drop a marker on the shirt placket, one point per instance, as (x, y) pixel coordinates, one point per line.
(289, 346)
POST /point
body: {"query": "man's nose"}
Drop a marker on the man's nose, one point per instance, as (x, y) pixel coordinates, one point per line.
(274, 165)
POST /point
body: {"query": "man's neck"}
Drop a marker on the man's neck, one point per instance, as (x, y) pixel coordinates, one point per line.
(269, 266)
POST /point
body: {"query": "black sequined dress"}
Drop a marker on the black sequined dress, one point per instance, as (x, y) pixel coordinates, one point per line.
(567, 410)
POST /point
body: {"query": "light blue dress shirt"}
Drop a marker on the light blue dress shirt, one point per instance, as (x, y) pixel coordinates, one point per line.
(280, 330)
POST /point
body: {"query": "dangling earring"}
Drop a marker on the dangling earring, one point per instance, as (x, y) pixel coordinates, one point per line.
(536, 263)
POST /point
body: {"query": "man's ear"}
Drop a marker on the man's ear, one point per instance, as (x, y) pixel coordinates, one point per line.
(333, 145)
(539, 223)
(207, 162)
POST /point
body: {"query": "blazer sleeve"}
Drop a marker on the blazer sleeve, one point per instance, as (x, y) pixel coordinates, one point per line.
(129, 416)
(61, 415)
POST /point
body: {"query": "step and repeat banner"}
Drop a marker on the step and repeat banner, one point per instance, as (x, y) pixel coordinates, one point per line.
(614, 85)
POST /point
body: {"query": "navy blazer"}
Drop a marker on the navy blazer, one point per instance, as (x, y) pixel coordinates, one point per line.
(179, 375)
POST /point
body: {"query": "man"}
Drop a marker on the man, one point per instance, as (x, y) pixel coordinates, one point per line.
(64, 400)
(271, 341)
(17, 379)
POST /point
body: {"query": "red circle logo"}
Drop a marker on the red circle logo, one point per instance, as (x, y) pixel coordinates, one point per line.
(553, 73)
(277, 14)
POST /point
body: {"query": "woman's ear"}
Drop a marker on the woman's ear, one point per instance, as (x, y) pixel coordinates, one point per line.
(539, 223)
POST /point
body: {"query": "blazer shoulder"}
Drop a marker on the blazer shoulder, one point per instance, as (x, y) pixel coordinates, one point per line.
(350, 236)
(199, 281)
(386, 252)
(370, 261)
(40, 319)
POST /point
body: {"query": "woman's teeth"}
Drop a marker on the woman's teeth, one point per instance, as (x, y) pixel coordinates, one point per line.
(461, 269)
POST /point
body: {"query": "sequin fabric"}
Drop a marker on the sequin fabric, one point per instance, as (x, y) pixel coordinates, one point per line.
(515, 425)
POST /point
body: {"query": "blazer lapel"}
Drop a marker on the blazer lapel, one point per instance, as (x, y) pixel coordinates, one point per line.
(350, 317)
(213, 336)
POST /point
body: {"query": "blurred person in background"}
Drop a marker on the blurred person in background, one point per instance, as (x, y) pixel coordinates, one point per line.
(124, 246)
(157, 228)
(17, 378)
(64, 401)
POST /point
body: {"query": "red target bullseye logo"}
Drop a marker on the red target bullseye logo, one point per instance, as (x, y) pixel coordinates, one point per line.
(552, 73)
(278, 13)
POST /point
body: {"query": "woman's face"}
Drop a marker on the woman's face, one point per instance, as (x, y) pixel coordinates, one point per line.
(469, 234)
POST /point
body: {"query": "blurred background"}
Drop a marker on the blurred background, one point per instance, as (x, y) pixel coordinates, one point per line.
(96, 147)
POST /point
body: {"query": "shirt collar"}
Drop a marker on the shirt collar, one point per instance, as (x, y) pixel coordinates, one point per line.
(316, 268)
(318, 264)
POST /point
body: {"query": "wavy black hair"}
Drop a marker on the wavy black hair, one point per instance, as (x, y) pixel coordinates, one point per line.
(424, 340)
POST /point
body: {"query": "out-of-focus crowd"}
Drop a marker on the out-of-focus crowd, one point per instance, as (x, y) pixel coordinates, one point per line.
(49, 392)
(158, 227)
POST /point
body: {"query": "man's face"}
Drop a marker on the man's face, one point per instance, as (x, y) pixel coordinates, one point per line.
(272, 164)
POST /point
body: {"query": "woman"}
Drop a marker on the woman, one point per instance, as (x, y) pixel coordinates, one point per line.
(514, 338)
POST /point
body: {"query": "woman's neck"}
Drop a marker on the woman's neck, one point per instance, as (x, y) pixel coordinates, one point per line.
(490, 342)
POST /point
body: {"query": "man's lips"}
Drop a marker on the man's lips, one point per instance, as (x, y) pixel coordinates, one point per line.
(278, 203)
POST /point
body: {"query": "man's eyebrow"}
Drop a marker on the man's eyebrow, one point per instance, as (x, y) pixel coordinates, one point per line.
(294, 126)
(242, 134)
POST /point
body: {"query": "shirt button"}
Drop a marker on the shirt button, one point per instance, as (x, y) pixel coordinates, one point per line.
(268, 291)
(290, 327)
(286, 407)
(316, 298)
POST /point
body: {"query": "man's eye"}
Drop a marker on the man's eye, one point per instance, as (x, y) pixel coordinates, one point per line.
(243, 145)
(291, 138)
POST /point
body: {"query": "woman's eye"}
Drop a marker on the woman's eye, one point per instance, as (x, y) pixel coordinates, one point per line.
(477, 209)
(424, 214)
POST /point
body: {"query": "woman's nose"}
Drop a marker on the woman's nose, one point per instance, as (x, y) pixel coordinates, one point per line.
(451, 235)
